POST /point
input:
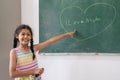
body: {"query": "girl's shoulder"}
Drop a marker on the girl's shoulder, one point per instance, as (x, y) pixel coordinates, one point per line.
(14, 50)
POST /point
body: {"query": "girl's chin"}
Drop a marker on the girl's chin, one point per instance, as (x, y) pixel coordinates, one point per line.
(25, 43)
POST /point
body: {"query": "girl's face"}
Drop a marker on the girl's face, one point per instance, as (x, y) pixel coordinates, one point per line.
(24, 37)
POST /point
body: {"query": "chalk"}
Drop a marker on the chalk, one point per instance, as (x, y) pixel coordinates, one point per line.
(74, 30)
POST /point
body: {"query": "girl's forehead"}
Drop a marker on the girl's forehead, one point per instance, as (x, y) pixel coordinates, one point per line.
(24, 31)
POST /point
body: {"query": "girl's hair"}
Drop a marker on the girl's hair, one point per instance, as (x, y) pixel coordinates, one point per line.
(17, 31)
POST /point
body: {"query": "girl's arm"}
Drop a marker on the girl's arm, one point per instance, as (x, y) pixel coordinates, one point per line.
(12, 67)
(52, 40)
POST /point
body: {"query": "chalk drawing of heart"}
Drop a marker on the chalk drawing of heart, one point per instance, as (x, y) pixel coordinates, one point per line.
(90, 22)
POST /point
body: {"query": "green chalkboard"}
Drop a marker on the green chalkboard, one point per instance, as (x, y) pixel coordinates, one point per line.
(97, 23)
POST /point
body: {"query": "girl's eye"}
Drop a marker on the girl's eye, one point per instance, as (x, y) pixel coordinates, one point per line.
(28, 34)
(23, 34)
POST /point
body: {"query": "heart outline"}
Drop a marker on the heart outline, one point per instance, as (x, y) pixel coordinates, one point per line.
(84, 11)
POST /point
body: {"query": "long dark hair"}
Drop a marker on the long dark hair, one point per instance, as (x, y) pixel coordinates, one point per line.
(17, 31)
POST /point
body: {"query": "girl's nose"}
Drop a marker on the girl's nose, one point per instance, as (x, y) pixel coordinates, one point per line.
(26, 36)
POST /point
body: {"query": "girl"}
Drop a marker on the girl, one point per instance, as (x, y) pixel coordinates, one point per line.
(23, 64)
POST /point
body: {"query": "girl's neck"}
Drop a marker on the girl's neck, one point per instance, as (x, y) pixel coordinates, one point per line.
(24, 48)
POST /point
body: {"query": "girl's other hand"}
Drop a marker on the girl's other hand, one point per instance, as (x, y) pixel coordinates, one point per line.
(39, 71)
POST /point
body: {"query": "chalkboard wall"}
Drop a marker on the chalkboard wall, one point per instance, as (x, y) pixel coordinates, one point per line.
(97, 23)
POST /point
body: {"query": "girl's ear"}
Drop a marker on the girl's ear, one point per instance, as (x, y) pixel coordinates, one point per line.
(16, 36)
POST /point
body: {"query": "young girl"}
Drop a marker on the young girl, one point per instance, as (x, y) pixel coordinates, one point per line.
(23, 64)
